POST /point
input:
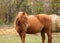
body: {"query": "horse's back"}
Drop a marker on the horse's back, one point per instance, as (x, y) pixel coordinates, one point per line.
(45, 19)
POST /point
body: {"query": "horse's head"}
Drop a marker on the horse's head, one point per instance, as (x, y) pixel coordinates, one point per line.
(22, 16)
(21, 19)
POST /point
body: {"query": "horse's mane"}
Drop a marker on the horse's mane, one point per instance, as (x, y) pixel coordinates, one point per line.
(16, 22)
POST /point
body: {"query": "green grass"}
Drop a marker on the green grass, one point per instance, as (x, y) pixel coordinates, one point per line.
(9, 38)
(12, 38)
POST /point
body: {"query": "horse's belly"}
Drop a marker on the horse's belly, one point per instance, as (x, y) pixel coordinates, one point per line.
(33, 31)
(36, 25)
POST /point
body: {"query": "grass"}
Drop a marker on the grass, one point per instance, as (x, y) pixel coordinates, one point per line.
(13, 38)
(9, 38)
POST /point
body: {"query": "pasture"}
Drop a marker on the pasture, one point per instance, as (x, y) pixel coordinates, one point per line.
(8, 35)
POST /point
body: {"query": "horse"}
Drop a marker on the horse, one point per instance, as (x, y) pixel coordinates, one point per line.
(55, 23)
(32, 24)
(53, 19)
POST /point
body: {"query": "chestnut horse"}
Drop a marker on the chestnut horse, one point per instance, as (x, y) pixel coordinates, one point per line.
(40, 23)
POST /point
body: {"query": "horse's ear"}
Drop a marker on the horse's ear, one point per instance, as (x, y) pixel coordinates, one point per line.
(24, 13)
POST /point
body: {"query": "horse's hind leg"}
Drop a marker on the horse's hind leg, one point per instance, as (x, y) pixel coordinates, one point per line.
(43, 35)
(49, 34)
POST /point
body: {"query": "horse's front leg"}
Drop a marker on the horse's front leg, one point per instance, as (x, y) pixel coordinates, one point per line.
(22, 35)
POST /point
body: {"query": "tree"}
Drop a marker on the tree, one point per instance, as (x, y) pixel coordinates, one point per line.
(56, 6)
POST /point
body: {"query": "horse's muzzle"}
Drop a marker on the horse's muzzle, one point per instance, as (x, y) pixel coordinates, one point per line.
(27, 26)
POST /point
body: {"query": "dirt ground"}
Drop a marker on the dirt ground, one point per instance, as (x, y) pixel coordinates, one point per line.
(7, 30)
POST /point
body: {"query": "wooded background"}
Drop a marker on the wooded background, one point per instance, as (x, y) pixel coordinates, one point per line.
(10, 8)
